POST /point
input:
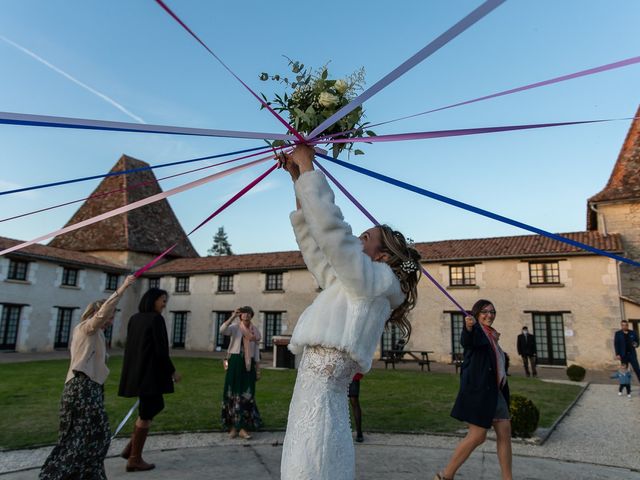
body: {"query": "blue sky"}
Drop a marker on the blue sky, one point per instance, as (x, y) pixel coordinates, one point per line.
(135, 62)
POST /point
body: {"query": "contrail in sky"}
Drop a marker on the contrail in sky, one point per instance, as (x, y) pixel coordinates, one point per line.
(74, 80)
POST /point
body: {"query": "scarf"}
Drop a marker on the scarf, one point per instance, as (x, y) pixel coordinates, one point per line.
(250, 335)
(493, 335)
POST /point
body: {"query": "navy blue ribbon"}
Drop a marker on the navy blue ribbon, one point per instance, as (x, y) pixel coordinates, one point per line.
(125, 172)
(480, 211)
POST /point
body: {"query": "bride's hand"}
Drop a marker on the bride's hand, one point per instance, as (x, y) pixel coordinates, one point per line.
(287, 164)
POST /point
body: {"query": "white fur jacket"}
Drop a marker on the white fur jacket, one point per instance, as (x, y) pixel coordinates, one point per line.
(358, 294)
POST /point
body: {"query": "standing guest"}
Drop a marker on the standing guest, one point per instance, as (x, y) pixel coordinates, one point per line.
(624, 378)
(366, 283)
(483, 399)
(84, 435)
(354, 399)
(625, 342)
(147, 371)
(527, 350)
(239, 409)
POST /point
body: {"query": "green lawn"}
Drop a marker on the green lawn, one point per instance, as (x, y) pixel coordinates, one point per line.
(392, 401)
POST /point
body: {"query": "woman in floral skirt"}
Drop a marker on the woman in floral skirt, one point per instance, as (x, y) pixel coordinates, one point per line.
(84, 435)
(239, 410)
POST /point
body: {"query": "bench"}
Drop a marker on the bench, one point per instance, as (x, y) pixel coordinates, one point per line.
(456, 359)
(421, 357)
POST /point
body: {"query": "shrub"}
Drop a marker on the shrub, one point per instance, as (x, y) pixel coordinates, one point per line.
(524, 416)
(576, 373)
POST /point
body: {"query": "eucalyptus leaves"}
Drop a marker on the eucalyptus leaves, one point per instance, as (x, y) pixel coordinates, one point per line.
(312, 97)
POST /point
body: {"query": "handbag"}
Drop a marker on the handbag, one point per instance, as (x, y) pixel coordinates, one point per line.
(225, 361)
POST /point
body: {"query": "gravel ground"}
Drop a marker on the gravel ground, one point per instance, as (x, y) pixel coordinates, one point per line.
(597, 430)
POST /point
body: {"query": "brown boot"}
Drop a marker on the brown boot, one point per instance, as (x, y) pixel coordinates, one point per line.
(135, 462)
(126, 451)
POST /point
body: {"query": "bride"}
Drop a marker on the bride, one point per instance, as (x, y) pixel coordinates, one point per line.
(366, 282)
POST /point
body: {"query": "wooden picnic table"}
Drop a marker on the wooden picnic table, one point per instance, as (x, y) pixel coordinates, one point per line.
(421, 357)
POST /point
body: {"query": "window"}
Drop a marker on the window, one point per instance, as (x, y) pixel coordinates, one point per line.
(70, 277)
(222, 341)
(182, 284)
(635, 325)
(112, 281)
(462, 275)
(154, 282)
(548, 329)
(274, 281)
(272, 326)
(225, 283)
(63, 328)
(179, 328)
(17, 270)
(457, 324)
(390, 338)
(541, 273)
(9, 326)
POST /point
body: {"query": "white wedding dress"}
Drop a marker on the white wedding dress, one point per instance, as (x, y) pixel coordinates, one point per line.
(318, 443)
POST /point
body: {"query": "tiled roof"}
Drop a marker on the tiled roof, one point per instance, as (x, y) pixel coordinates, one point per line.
(149, 229)
(448, 250)
(624, 182)
(59, 255)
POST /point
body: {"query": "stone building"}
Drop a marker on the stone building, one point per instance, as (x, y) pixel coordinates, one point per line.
(570, 299)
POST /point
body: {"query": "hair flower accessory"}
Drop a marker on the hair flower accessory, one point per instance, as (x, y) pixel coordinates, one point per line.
(408, 266)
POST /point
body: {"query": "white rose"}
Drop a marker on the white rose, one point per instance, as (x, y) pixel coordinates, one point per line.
(341, 86)
(327, 99)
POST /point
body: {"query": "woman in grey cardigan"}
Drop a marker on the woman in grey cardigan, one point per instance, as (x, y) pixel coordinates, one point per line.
(84, 435)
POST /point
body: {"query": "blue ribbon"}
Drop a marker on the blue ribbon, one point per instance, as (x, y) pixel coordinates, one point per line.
(125, 172)
(480, 211)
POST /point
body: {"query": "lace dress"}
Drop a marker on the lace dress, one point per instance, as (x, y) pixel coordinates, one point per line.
(318, 443)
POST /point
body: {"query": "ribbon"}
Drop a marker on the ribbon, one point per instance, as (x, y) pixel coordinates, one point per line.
(134, 186)
(458, 132)
(206, 220)
(375, 222)
(134, 205)
(562, 78)
(125, 419)
(480, 12)
(262, 102)
(480, 211)
(26, 119)
(133, 170)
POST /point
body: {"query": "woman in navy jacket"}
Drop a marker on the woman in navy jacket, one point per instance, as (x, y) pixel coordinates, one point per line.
(483, 399)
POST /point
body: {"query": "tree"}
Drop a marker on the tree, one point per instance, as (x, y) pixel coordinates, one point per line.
(221, 245)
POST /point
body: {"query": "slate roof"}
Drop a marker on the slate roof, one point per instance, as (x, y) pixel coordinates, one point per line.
(59, 255)
(524, 246)
(624, 182)
(149, 229)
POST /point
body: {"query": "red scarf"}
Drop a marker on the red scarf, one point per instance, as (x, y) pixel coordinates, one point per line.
(493, 335)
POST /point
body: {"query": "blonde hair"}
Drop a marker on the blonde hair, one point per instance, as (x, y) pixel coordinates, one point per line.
(91, 309)
(404, 260)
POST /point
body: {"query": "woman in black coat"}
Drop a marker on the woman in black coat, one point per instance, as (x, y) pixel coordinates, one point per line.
(483, 399)
(147, 371)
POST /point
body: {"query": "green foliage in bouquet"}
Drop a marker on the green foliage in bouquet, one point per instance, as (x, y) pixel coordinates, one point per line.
(312, 97)
(524, 416)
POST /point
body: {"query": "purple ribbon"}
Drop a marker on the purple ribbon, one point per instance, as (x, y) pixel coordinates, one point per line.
(458, 132)
(480, 12)
(582, 73)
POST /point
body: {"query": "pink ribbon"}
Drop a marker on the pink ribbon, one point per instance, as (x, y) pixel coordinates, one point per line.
(138, 204)
(262, 102)
(206, 220)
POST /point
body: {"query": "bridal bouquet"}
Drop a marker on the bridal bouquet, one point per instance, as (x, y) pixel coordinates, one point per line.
(311, 97)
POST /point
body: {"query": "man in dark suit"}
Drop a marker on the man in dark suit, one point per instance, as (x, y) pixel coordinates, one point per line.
(625, 342)
(527, 350)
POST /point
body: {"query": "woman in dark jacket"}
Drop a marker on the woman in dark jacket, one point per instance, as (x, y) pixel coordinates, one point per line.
(483, 399)
(147, 371)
